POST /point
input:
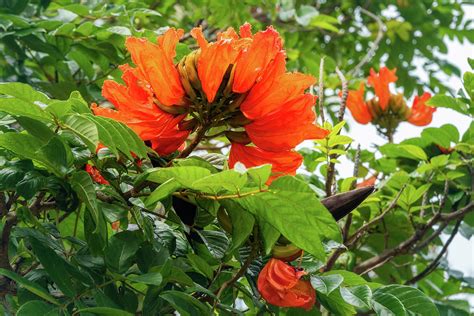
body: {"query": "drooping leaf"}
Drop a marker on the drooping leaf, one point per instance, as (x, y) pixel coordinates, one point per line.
(326, 284)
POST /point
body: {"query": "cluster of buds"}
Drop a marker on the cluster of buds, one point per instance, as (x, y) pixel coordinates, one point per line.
(386, 110)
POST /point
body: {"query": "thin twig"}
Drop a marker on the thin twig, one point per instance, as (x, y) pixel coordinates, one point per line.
(321, 91)
(434, 264)
(375, 45)
(344, 95)
(358, 234)
(240, 273)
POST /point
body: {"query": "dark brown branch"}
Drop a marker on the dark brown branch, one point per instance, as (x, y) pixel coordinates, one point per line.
(240, 273)
(434, 264)
(405, 246)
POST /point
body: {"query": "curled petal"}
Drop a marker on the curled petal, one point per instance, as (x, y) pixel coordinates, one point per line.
(421, 114)
(380, 82)
(213, 62)
(155, 62)
(280, 285)
(252, 61)
(357, 105)
(283, 163)
(275, 89)
(170, 142)
(287, 127)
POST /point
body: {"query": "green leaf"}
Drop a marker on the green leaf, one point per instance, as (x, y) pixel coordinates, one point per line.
(27, 146)
(55, 266)
(120, 252)
(36, 128)
(290, 200)
(242, 223)
(35, 308)
(442, 136)
(260, 174)
(57, 153)
(163, 191)
(350, 278)
(82, 127)
(387, 304)
(17, 107)
(23, 92)
(335, 303)
(448, 102)
(106, 311)
(185, 304)
(151, 278)
(229, 180)
(404, 151)
(326, 284)
(82, 184)
(183, 175)
(200, 265)
(414, 301)
(116, 135)
(216, 241)
(30, 286)
(359, 296)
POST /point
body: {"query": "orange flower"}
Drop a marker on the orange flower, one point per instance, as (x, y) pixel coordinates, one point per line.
(380, 82)
(357, 105)
(135, 108)
(156, 67)
(240, 80)
(283, 163)
(421, 114)
(367, 182)
(280, 284)
(286, 127)
(95, 174)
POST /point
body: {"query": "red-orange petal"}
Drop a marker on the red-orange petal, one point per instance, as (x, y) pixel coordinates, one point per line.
(275, 89)
(421, 114)
(380, 82)
(156, 65)
(252, 61)
(357, 106)
(95, 174)
(287, 127)
(280, 285)
(213, 62)
(283, 163)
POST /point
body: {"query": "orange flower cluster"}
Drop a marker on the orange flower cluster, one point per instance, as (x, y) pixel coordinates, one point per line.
(239, 81)
(387, 109)
(280, 284)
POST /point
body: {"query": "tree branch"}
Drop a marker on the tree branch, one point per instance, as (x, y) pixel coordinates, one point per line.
(434, 264)
(405, 246)
(375, 45)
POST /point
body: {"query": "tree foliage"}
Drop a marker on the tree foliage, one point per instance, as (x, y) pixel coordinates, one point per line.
(166, 234)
